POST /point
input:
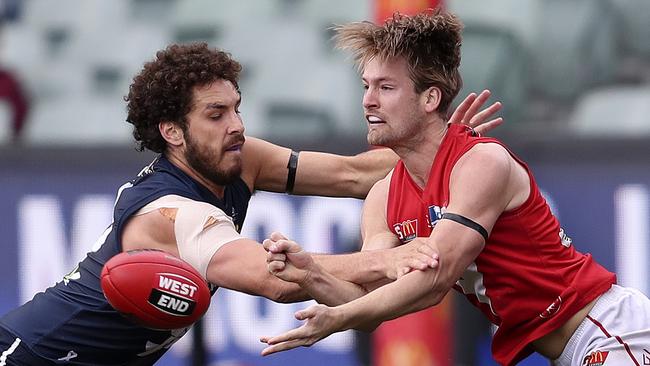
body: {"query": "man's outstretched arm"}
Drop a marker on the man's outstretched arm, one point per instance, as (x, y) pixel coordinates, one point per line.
(336, 279)
(316, 173)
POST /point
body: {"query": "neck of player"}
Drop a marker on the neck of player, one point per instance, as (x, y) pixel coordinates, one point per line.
(420, 150)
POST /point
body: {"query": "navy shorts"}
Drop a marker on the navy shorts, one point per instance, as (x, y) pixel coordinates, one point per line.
(13, 352)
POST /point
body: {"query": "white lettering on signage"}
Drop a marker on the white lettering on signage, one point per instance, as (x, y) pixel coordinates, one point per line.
(44, 257)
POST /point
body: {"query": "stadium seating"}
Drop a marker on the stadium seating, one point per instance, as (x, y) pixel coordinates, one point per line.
(152, 11)
(82, 121)
(530, 53)
(206, 20)
(295, 68)
(111, 67)
(576, 47)
(571, 43)
(520, 17)
(635, 23)
(493, 58)
(324, 14)
(613, 112)
(23, 53)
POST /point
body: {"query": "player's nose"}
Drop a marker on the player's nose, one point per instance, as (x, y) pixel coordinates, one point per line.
(370, 100)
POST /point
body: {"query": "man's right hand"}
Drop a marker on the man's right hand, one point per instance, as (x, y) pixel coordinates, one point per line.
(414, 255)
(287, 260)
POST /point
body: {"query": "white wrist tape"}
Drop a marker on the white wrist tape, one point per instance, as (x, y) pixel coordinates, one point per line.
(200, 228)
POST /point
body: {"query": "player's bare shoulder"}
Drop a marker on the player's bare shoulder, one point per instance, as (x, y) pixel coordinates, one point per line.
(492, 168)
(380, 189)
(490, 155)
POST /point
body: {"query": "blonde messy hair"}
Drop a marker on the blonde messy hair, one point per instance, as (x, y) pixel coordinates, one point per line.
(429, 42)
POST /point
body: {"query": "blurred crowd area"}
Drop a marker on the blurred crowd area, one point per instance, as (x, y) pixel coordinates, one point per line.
(579, 67)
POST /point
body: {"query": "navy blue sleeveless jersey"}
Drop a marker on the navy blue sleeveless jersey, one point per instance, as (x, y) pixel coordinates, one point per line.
(72, 321)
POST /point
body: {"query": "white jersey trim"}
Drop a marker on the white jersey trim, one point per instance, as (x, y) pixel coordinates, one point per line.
(8, 352)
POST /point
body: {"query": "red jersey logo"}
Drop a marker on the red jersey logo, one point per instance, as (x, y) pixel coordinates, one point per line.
(596, 358)
(406, 230)
(552, 309)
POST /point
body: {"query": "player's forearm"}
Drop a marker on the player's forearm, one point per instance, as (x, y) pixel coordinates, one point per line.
(372, 166)
(361, 268)
(413, 292)
(325, 174)
(325, 288)
(281, 291)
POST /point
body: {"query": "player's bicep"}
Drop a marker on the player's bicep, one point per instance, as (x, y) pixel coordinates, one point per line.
(342, 176)
(479, 186)
(315, 173)
(375, 232)
(201, 229)
(478, 194)
(265, 165)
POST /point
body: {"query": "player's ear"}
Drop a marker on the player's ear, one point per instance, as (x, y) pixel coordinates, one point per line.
(171, 132)
(432, 98)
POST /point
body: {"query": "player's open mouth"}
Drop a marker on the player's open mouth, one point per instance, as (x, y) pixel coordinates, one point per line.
(374, 119)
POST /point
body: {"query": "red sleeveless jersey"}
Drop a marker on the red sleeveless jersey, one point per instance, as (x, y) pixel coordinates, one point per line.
(529, 279)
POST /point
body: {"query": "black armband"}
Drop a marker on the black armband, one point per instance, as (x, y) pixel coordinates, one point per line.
(466, 222)
(291, 175)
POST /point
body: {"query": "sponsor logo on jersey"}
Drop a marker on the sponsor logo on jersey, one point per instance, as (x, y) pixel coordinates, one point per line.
(565, 239)
(173, 294)
(72, 276)
(552, 309)
(596, 358)
(406, 230)
(435, 214)
(68, 357)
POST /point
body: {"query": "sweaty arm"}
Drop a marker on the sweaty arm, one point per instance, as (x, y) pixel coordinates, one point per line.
(205, 237)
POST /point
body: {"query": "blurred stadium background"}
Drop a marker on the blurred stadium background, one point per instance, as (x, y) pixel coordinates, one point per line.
(573, 75)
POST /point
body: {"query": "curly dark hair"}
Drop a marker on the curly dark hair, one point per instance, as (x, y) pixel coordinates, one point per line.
(429, 42)
(163, 90)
